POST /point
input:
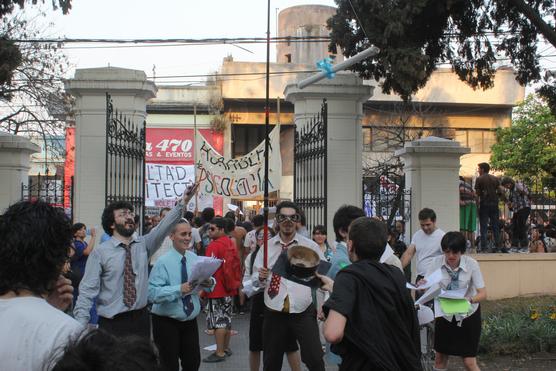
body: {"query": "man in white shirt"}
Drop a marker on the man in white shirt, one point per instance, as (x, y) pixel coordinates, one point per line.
(425, 244)
(36, 240)
(289, 305)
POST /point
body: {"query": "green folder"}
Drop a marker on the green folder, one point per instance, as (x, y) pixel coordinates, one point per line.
(454, 306)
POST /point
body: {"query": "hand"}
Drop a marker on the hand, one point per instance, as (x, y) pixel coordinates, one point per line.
(185, 288)
(206, 283)
(263, 274)
(62, 295)
(420, 282)
(93, 232)
(189, 193)
(320, 315)
(327, 282)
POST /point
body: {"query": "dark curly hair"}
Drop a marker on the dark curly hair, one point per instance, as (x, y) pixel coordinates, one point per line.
(99, 350)
(35, 241)
(108, 215)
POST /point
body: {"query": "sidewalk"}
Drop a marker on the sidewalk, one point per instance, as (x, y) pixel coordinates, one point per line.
(239, 344)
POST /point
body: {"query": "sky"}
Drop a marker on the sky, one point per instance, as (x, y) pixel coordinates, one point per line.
(142, 19)
(192, 19)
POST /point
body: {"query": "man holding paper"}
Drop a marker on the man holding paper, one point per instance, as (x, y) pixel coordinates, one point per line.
(176, 303)
(458, 323)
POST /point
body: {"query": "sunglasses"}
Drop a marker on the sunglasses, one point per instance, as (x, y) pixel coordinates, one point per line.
(280, 218)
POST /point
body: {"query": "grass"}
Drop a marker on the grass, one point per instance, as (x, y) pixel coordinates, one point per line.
(519, 326)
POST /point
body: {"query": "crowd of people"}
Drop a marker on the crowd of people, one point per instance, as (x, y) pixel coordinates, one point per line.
(132, 306)
(519, 229)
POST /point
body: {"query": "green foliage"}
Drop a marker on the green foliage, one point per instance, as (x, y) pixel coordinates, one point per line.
(528, 147)
(414, 36)
(519, 330)
(10, 53)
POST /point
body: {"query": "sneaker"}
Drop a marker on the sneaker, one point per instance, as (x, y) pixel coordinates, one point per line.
(228, 352)
(214, 358)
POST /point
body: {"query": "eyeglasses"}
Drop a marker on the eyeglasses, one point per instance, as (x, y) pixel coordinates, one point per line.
(280, 218)
(127, 213)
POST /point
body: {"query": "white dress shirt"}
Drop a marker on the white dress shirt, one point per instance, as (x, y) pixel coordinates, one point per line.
(299, 296)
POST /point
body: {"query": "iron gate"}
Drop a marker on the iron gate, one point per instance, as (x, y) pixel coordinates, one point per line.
(125, 160)
(50, 189)
(310, 164)
(386, 198)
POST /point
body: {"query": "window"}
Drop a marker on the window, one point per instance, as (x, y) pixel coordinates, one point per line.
(246, 138)
(288, 58)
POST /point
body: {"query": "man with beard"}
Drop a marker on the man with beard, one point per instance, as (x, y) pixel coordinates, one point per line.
(117, 270)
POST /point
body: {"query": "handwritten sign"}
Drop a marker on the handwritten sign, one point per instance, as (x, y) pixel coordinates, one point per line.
(166, 183)
(242, 177)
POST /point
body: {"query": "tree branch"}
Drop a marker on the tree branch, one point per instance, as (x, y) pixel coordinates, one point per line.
(536, 19)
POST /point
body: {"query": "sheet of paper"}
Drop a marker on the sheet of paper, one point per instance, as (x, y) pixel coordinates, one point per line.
(454, 306)
(210, 348)
(430, 281)
(453, 294)
(202, 270)
(430, 294)
(248, 288)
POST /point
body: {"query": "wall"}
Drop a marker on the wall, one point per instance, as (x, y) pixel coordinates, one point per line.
(511, 275)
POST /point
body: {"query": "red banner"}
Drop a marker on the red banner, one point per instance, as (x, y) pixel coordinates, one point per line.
(177, 145)
(69, 165)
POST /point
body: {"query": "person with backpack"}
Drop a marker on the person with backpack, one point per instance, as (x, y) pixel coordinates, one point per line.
(228, 281)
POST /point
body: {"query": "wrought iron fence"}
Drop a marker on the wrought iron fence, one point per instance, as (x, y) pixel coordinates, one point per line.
(51, 189)
(386, 198)
(125, 159)
(310, 164)
(542, 194)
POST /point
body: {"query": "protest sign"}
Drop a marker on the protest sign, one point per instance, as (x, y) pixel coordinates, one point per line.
(166, 183)
(242, 177)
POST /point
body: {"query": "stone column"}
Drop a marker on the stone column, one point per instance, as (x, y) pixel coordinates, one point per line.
(431, 167)
(345, 95)
(130, 92)
(14, 167)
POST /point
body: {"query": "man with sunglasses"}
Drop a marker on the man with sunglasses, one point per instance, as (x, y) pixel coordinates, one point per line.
(289, 305)
(117, 270)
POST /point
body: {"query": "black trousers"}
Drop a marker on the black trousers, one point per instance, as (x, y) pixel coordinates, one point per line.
(489, 212)
(177, 340)
(276, 328)
(519, 224)
(134, 322)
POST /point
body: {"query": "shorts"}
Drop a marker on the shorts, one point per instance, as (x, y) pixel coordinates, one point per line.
(468, 218)
(219, 313)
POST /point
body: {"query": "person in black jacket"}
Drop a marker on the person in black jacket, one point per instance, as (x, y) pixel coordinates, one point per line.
(371, 319)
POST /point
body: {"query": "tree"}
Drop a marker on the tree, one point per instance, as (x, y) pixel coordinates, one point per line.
(528, 147)
(10, 53)
(414, 36)
(33, 101)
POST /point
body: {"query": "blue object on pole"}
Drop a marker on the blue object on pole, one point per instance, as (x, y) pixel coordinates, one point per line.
(325, 66)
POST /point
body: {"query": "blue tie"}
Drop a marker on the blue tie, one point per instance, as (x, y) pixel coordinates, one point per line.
(186, 300)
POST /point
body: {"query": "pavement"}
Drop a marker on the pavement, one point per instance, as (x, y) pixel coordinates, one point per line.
(239, 344)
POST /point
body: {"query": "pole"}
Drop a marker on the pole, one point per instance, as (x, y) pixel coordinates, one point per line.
(372, 51)
(266, 144)
(195, 154)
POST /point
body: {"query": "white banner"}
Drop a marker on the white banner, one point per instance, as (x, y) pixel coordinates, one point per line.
(166, 183)
(242, 177)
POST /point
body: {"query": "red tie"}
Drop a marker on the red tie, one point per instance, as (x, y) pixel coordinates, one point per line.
(130, 294)
(274, 287)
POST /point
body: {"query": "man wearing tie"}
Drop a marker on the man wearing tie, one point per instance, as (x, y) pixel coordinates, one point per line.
(289, 306)
(175, 305)
(117, 271)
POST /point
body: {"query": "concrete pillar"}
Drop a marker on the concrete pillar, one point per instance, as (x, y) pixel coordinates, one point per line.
(130, 91)
(345, 95)
(431, 167)
(14, 167)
